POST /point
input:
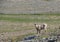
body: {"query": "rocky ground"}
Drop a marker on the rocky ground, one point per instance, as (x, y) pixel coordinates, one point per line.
(7, 36)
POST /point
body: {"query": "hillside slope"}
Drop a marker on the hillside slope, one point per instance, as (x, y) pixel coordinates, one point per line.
(29, 6)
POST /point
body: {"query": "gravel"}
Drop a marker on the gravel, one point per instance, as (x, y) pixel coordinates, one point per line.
(29, 6)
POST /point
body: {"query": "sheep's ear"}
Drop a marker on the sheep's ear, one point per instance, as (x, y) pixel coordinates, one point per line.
(59, 27)
(35, 24)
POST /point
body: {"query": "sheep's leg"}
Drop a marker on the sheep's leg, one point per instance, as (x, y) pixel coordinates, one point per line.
(39, 31)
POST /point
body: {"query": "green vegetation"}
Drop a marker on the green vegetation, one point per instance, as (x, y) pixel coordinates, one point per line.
(27, 19)
(30, 18)
(24, 22)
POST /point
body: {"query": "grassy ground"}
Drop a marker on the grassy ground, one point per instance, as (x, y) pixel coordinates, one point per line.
(24, 22)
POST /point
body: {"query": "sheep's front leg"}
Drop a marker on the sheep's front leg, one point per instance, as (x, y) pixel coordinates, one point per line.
(39, 31)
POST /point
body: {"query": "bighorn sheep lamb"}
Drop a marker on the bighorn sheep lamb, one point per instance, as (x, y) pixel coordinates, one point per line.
(41, 27)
